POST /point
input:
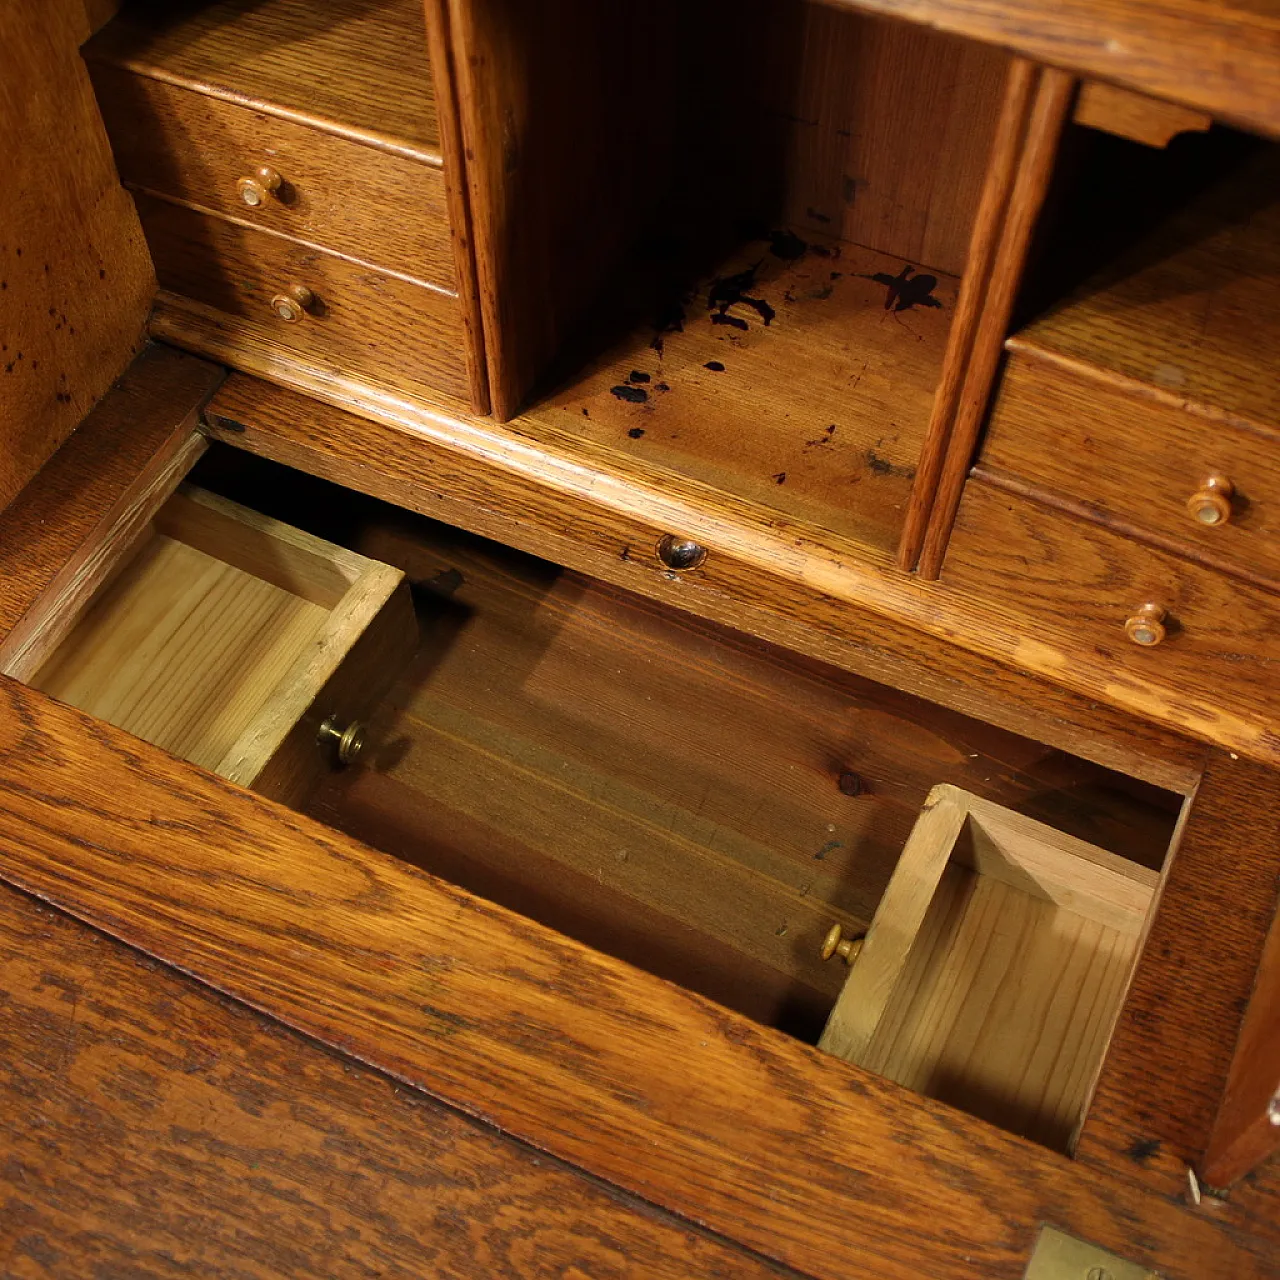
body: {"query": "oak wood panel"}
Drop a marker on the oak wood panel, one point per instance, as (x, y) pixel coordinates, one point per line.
(1135, 115)
(358, 68)
(1168, 1064)
(1192, 311)
(613, 541)
(1048, 114)
(75, 277)
(1246, 1130)
(130, 442)
(983, 250)
(565, 123)
(365, 321)
(1070, 585)
(1218, 55)
(153, 1128)
(842, 124)
(357, 200)
(645, 1085)
(1133, 458)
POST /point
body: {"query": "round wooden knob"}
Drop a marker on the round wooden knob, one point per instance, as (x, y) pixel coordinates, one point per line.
(1211, 503)
(681, 553)
(1145, 626)
(346, 744)
(257, 190)
(836, 944)
(293, 303)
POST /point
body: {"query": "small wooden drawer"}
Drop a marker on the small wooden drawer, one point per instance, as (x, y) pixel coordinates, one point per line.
(1141, 460)
(233, 641)
(995, 967)
(357, 199)
(361, 322)
(1072, 592)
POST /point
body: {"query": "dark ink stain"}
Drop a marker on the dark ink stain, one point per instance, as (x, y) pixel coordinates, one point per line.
(636, 376)
(780, 478)
(19, 252)
(729, 291)
(102, 273)
(830, 847)
(905, 290)
(1143, 1150)
(816, 216)
(824, 438)
(786, 245)
(657, 342)
(636, 432)
(661, 386)
(633, 395)
(585, 414)
(883, 467)
(714, 365)
(47, 268)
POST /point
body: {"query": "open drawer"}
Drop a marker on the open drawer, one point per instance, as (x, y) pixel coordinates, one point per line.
(995, 967)
(230, 639)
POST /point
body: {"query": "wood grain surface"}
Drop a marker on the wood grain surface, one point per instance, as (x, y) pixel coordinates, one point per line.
(1072, 584)
(154, 1129)
(1144, 119)
(647, 1086)
(614, 542)
(127, 444)
(1218, 55)
(1169, 1060)
(1133, 459)
(339, 194)
(75, 278)
(354, 68)
(365, 321)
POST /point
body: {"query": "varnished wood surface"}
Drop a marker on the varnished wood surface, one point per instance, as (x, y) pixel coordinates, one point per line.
(583, 756)
(1191, 313)
(341, 195)
(352, 67)
(1144, 119)
(126, 444)
(1168, 1064)
(1066, 432)
(1219, 55)
(649, 1087)
(1071, 585)
(75, 278)
(365, 321)
(154, 1129)
(615, 542)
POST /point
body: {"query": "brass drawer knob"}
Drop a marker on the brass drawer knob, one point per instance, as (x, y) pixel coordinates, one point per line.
(293, 303)
(1210, 505)
(1145, 626)
(257, 190)
(346, 744)
(681, 553)
(836, 944)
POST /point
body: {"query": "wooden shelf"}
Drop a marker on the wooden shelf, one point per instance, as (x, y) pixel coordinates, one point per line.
(809, 396)
(358, 68)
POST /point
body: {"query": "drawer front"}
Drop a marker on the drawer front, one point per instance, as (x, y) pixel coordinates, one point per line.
(1068, 587)
(363, 322)
(367, 203)
(1142, 462)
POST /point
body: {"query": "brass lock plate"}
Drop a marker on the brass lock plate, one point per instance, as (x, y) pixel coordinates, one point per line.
(1058, 1256)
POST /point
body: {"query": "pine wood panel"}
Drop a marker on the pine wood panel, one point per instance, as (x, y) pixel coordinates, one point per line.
(1169, 1060)
(75, 278)
(341, 195)
(1134, 459)
(637, 1081)
(153, 1128)
(353, 67)
(1070, 585)
(1233, 45)
(994, 969)
(1135, 115)
(517, 489)
(366, 321)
